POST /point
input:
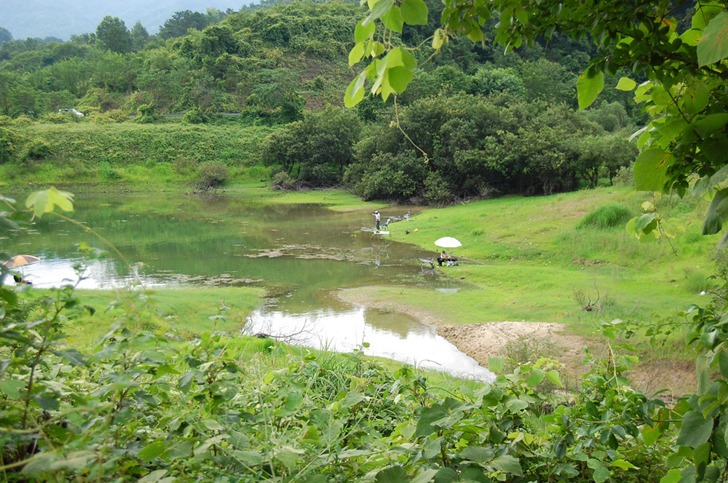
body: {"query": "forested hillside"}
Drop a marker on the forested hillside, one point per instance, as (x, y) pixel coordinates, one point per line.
(483, 122)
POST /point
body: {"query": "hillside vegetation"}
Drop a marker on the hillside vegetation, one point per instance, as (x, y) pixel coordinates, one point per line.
(474, 124)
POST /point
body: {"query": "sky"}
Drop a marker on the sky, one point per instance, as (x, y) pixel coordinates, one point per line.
(64, 18)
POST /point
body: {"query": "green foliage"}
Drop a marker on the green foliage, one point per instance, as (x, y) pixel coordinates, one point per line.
(487, 81)
(683, 59)
(196, 116)
(146, 114)
(8, 144)
(476, 146)
(181, 22)
(139, 405)
(283, 181)
(211, 175)
(606, 216)
(114, 35)
(317, 150)
(38, 149)
(385, 176)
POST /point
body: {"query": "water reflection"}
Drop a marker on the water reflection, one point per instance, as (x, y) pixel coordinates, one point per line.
(94, 274)
(402, 339)
(231, 240)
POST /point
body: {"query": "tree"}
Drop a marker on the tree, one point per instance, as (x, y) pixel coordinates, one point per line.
(139, 37)
(181, 22)
(5, 35)
(317, 149)
(114, 35)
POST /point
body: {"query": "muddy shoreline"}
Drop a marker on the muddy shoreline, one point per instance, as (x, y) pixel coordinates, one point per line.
(488, 339)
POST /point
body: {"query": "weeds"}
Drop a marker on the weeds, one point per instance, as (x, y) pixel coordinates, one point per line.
(588, 305)
(606, 217)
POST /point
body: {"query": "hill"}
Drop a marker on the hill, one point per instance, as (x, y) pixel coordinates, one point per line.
(63, 18)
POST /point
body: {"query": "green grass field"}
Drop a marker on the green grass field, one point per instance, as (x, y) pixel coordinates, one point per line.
(528, 259)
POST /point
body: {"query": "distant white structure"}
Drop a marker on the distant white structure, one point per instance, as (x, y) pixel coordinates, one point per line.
(72, 111)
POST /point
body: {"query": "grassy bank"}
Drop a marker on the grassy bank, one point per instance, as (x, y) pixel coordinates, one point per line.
(528, 259)
(131, 155)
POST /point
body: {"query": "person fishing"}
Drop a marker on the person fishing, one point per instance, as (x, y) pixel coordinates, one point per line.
(377, 219)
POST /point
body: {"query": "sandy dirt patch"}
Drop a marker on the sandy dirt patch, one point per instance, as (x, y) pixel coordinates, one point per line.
(488, 339)
(481, 341)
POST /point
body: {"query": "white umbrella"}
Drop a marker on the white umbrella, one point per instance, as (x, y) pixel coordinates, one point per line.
(448, 242)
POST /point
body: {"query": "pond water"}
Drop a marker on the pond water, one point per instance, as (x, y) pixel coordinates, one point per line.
(301, 253)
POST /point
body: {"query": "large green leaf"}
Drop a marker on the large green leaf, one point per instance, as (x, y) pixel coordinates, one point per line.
(433, 414)
(364, 32)
(42, 202)
(508, 464)
(478, 454)
(393, 474)
(378, 8)
(425, 476)
(155, 477)
(355, 91)
(356, 53)
(393, 19)
(601, 472)
(431, 449)
(414, 12)
(650, 169)
(536, 377)
(394, 72)
(717, 213)
(588, 86)
(695, 429)
(713, 46)
(626, 84)
(710, 124)
(696, 97)
(554, 378)
(152, 451)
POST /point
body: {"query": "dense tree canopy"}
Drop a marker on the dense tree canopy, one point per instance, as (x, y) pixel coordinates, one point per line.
(114, 35)
(181, 22)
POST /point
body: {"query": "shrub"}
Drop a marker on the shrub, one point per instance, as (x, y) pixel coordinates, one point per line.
(212, 175)
(57, 118)
(607, 216)
(146, 113)
(624, 176)
(195, 116)
(436, 190)
(283, 181)
(37, 149)
(109, 172)
(184, 166)
(8, 145)
(110, 117)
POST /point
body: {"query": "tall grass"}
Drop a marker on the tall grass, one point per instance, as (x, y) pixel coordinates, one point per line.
(612, 215)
